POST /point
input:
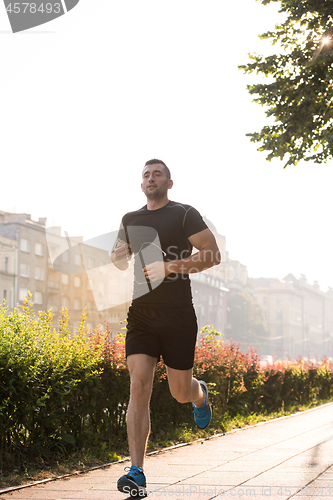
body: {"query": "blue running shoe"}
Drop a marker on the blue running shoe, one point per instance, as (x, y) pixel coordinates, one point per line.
(203, 414)
(133, 483)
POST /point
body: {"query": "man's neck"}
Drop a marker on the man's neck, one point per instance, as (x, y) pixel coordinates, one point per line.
(154, 204)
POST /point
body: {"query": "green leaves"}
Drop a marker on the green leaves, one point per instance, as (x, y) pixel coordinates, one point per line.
(299, 95)
(47, 379)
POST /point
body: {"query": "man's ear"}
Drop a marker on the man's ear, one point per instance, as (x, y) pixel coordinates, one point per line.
(170, 184)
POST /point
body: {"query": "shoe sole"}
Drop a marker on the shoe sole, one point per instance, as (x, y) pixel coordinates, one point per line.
(129, 487)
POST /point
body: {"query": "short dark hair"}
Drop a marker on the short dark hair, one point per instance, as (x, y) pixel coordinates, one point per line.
(154, 160)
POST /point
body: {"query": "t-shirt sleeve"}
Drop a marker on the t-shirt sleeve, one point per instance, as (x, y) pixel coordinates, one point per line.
(193, 222)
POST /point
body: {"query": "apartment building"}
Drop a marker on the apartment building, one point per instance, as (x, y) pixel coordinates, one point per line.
(299, 316)
(64, 282)
(210, 300)
(29, 259)
(8, 257)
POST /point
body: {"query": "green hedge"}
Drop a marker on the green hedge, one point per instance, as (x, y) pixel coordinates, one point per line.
(50, 381)
(61, 392)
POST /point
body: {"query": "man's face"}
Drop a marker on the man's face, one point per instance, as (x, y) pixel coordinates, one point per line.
(155, 183)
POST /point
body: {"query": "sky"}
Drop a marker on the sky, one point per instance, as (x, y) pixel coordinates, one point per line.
(88, 98)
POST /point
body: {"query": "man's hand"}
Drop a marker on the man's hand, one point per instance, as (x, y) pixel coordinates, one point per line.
(121, 255)
(155, 271)
(207, 256)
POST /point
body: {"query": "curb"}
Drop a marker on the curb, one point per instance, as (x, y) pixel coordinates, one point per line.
(156, 452)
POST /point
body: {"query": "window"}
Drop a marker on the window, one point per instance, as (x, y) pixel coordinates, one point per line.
(38, 298)
(279, 315)
(279, 331)
(65, 302)
(65, 257)
(90, 306)
(53, 285)
(25, 245)
(77, 259)
(77, 304)
(77, 281)
(5, 294)
(39, 273)
(24, 270)
(23, 293)
(91, 263)
(65, 279)
(39, 249)
(114, 299)
(6, 265)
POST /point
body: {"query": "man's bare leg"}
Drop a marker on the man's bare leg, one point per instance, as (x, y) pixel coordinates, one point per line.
(141, 368)
(184, 387)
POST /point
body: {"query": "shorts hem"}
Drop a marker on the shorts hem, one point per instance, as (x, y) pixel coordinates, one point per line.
(157, 356)
(180, 369)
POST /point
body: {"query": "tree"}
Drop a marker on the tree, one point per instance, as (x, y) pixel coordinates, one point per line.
(247, 322)
(299, 95)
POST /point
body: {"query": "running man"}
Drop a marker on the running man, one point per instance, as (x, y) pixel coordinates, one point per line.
(161, 320)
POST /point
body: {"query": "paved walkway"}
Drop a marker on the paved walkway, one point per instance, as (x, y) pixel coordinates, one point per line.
(286, 458)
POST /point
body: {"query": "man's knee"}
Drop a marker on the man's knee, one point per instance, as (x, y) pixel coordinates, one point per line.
(181, 395)
(140, 389)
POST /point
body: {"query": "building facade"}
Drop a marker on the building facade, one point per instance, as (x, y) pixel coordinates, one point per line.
(26, 265)
(210, 300)
(299, 316)
(8, 271)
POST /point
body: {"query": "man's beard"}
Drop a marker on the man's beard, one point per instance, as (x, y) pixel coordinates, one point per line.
(157, 193)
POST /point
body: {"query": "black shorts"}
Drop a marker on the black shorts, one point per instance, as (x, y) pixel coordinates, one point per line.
(170, 333)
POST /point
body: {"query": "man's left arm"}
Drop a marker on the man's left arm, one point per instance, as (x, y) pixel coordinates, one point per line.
(208, 255)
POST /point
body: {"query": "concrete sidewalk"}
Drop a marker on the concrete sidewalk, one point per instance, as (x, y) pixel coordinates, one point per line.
(291, 457)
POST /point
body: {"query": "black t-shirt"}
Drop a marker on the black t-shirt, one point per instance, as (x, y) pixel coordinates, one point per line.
(156, 235)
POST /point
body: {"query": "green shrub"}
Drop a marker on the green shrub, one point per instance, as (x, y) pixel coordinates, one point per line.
(62, 392)
(50, 381)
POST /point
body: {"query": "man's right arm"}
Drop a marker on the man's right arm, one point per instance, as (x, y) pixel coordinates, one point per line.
(121, 255)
